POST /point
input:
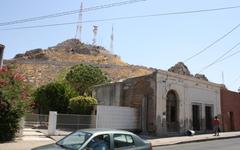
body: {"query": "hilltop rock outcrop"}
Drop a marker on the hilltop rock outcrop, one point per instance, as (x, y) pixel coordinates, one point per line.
(181, 68)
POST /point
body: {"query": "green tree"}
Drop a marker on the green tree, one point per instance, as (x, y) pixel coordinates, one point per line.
(54, 96)
(82, 104)
(83, 77)
(15, 100)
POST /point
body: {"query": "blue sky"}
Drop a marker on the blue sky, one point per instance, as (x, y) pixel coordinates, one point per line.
(158, 42)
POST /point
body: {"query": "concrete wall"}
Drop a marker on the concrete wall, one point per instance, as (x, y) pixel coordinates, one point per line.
(108, 94)
(189, 91)
(116, 117)
(230, 103)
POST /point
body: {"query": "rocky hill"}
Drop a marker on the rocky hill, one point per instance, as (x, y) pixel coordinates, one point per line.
(43, 65)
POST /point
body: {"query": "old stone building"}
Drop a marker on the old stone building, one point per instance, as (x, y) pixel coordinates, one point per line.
(169, 103)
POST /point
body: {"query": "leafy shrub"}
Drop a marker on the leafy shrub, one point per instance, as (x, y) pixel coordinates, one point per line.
(9, 121)
(83, 77)
(14, 102)
(82, 104)
(54, 96)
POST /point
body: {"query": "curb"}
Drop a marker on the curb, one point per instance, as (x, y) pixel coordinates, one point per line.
(200, 140)
(50, 138)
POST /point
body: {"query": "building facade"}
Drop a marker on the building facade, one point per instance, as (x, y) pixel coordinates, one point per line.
(168, 103)
(230, 106)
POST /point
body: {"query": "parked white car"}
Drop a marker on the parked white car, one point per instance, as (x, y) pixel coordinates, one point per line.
(99, 139)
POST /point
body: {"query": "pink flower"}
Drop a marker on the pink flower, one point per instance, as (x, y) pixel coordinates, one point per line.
(3, 69)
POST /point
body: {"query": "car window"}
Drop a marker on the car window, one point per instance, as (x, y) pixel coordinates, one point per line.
(75, 140)
(100, 142)
(122, 140)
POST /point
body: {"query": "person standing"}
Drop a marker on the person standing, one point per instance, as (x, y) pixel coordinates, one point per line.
(216, 126)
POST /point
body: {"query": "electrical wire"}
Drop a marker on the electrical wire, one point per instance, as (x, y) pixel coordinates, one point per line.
(213, 43)
(219, 58)
(132, 17)
(230, 56)
(60, 14)
(235, 81)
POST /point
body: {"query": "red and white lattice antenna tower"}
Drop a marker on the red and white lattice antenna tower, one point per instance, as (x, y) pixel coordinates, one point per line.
(95, 29)
(79, 26)
(111, 38)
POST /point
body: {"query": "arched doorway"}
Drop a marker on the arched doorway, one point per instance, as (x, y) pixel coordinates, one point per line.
(172, 112)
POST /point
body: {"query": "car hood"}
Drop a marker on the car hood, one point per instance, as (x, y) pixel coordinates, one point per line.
(49, 147)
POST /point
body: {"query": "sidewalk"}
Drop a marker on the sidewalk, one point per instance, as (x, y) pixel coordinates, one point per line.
(31, 138)
(195, 138)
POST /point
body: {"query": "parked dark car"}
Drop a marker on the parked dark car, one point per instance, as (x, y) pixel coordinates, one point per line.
(99, 139)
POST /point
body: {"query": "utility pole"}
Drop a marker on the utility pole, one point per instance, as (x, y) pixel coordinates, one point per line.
(79, 26)
(1, 55)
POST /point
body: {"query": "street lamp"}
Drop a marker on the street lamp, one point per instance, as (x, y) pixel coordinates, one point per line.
(1, 55)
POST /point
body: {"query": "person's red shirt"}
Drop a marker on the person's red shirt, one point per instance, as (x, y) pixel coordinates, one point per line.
(216, 122)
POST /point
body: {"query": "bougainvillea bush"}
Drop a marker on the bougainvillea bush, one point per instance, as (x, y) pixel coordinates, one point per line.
(14, 102)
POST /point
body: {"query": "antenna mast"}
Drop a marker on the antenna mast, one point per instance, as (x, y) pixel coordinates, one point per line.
(223, 82)
(95, 29)
(79, 26)
(112, 38)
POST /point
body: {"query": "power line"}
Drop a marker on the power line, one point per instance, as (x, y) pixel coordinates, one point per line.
(215, 42)
(131, 17)
(60, 14)
(229, 56)
(219, 58)
(234, 82)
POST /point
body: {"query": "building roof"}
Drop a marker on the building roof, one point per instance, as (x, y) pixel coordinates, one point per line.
(190, 78)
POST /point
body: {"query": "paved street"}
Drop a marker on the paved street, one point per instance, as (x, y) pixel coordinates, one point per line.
(34, 137)
(227, 144)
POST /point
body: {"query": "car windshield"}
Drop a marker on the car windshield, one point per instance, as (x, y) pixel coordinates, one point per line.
(75, 140)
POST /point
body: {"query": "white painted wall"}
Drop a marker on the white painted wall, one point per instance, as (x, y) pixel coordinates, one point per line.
(116, 117)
